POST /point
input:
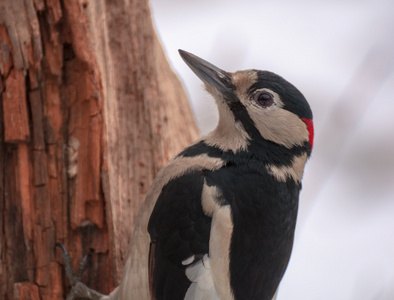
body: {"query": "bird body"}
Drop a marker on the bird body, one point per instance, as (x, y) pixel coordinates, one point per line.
(218, 221)
(225, 230)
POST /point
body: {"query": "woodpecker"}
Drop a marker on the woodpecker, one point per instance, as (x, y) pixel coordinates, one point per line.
(218, 221)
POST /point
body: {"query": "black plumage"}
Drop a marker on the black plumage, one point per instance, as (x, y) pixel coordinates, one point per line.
(179, 229)
(264, 214)
(178, 208)
(257, 177)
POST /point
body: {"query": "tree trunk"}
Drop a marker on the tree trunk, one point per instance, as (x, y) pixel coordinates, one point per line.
(90, 110)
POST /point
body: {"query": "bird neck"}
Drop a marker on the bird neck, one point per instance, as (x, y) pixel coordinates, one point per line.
(229, 134)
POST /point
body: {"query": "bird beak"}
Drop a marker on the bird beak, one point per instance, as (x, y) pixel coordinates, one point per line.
(209, 74)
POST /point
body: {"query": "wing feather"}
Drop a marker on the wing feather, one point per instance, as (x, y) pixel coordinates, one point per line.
(179, 229)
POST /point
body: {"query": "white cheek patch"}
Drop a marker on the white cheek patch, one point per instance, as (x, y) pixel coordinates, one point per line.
(275, 123)
(279, 125)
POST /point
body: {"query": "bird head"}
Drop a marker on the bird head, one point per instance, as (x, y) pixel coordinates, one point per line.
(258, 107)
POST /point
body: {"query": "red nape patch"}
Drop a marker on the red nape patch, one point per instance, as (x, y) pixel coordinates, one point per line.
(309, 126)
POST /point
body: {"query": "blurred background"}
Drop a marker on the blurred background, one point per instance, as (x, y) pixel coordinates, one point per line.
(340, 54)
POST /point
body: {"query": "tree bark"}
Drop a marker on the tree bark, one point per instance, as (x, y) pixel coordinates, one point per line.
(90, 111)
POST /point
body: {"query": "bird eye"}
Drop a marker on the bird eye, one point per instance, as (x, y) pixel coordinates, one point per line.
(265, 99)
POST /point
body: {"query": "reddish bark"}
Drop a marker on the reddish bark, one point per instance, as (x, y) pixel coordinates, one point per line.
(90, 110)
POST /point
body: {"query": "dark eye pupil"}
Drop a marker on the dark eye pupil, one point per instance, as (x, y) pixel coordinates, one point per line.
(265, 99)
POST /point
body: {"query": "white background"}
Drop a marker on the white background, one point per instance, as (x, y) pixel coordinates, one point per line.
(340, 54)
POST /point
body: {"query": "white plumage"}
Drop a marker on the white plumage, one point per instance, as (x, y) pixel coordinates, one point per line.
(202, 287)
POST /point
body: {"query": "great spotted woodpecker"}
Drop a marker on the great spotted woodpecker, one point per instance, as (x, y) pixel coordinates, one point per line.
(218, 221)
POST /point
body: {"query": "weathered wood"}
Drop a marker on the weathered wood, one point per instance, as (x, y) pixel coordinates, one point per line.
(5, 51)
(90, 111)
(26, 291)
(3, 265)
(37, 119)
(16, 124)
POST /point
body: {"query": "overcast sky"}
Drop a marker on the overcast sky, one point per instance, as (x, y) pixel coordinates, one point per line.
(340, 54)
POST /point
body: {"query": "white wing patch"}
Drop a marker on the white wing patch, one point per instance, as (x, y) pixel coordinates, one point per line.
(188, 261)
(202, 287)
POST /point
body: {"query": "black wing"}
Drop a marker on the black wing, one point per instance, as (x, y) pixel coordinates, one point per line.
(179, 230)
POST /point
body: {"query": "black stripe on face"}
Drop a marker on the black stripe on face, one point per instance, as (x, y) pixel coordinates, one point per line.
(292, 98)
(261, 149)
